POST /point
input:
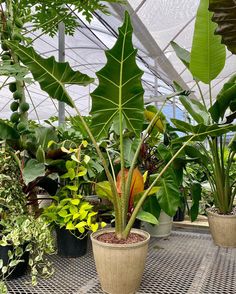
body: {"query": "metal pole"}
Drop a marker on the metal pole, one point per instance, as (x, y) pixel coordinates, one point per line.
(156, 84)
(61, 58)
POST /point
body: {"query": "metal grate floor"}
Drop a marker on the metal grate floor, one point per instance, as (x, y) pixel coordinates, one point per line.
(184, 263)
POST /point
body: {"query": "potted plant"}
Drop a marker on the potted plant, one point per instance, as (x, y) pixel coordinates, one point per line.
(70, 213)
(215, 121)
(24, 239)
(117, 102)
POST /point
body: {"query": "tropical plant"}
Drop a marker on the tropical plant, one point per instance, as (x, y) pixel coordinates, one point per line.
(212, 116)
(117, 101)
(69, 209)
(20, 231)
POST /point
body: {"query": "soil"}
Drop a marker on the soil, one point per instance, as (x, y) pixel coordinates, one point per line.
(111, 238)
(216, 210)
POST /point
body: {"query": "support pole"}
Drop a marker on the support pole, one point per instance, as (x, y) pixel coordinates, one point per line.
(61, 58)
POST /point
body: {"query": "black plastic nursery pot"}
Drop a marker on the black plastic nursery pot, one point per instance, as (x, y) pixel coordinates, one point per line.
(20, 269)
(70, 246)
(180, 214)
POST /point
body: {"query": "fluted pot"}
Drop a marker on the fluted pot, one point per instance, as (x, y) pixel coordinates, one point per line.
(120, 266)
(223, 229)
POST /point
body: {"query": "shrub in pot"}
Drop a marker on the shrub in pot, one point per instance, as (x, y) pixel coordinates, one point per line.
(24, 239)
(72, 216)
(214, 118)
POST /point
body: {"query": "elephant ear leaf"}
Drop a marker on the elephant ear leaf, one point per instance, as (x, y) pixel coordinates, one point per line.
(120, 92)
(51, 75)
(224, 14)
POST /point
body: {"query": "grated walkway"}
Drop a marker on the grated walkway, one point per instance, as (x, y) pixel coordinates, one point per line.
(183, 263)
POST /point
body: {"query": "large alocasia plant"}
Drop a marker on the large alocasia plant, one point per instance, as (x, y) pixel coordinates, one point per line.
(118, 100)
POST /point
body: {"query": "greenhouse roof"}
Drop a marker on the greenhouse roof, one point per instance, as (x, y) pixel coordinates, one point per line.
(156, 23)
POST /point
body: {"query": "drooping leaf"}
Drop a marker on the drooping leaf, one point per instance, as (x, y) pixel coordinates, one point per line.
(182, 54)
(103, 190)
(120, 92)
(196, 191)
(168, 195)
(32, 170)
(196, 109)
(51, 75)
(147, 217)
(224, 99)
(7, 132)
(207, 54)
(200, 131)
(224, 14)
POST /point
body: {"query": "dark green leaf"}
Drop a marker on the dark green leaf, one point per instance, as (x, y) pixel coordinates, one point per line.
(7, 132)
(196, 191)
(226, 96)
(120, 92)
(151, 205)
(224, 14)
(32, 170)
(168, 195)
(51, 75)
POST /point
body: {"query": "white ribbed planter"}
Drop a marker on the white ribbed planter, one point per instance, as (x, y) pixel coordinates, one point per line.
(163, 229)
(223, 229)
(120, 266)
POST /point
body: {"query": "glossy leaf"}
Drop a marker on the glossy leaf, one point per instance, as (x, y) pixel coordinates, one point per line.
(120, 92)
(224, 14)
(168, 195)
(207, 54)
(196, 109)
(7, 132)
(51, 75)
(224, 99)
(151, 205)
(147, 217)
(196, 191)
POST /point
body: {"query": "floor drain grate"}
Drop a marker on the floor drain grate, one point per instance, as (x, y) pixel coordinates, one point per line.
(183, 263)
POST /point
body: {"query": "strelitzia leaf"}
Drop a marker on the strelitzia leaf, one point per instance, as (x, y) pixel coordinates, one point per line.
(51, 75)
(120, 92)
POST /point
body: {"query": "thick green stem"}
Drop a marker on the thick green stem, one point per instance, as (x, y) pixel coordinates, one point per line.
(144, 196)
(108, 174)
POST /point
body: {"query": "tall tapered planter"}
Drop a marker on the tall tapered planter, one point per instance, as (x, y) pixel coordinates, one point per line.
(223, 229)
(120, 266)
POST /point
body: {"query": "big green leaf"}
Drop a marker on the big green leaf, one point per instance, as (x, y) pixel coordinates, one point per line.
(207, 54)
(196, 109)
(182, 54)
(147, 217)
(224, 14)
(120, 92)
(168, 195)
(32, 170)
(7, 132)
(51, 75)
(224, 100)
(196, 191)
(200, 131)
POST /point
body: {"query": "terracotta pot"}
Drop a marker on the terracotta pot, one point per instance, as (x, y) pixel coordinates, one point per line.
(223, 229)
(120, 266)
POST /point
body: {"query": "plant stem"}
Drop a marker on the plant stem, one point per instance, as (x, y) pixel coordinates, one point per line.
(141, 201)
(201, 94)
